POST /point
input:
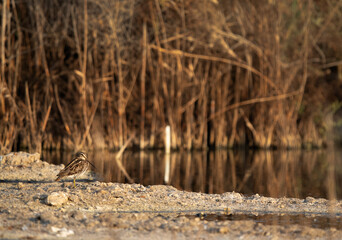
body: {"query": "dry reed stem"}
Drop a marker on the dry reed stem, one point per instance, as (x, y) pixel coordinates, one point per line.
(91, 118)
(142, 87)
(83, 65)
(60, 109)
(119, 156)
(177, 52)
(3, 30)
(257, 100)
(30, 112)
(46, 118)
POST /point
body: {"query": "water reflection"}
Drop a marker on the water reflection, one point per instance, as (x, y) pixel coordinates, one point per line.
(323, 221)
(268, 173)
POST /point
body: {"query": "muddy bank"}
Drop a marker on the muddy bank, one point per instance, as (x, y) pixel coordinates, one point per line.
(33, 205)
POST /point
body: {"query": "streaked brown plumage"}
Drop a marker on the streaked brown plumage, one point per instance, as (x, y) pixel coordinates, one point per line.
(77, 167)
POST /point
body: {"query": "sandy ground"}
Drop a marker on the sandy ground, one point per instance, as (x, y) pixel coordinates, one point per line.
(34, 206)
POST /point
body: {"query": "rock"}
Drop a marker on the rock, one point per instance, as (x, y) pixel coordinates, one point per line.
(309, 200)
(232, 196)
(224, 230)
(74, 198)
(19, 159)
(57, 198)
(20, 185)
(47, 217)
(79, 216)
(24, 228)
(62, 232)
(23, 167)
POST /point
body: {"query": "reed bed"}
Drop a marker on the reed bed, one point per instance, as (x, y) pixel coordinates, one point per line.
(92, 73)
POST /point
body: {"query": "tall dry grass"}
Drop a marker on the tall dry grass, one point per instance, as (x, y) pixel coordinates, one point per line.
(89, 74)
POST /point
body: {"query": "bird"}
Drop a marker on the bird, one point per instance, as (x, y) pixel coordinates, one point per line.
(77, 167)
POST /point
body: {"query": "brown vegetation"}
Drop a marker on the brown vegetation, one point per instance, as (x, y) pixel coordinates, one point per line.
(90, 74)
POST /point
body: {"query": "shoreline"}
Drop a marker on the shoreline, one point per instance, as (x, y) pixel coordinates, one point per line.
(33, 205)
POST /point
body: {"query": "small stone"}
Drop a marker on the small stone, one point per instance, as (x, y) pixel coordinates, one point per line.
(309, 200)
(62, 232)
(74, 198)
(224, 230)
(46, 217)
(232, 196)
(102, 192)
(57, 198)
(79, 216)
(227, 211)
(256, 196)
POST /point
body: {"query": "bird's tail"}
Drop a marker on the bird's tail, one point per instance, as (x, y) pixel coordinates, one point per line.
(58, 178)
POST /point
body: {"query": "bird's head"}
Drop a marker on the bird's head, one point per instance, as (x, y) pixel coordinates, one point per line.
(81, 155)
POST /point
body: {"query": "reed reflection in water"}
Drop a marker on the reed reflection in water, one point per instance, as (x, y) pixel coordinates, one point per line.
(292, 173)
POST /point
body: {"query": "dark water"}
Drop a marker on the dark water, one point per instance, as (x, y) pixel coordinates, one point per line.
(295, 173)
(315, 221)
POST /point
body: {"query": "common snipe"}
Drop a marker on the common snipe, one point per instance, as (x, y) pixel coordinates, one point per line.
(77, 167)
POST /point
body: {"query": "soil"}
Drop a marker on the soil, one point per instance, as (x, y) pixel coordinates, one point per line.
(34, 206)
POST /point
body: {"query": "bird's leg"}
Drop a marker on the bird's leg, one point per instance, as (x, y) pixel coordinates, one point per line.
(74, 182)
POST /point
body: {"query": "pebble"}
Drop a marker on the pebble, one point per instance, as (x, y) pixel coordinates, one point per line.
(224, 230)
(309, 200)
(102, 192)
(77, 215)
(62, 232)
(57, 198)
(46, 217)
(20, 185)
(74, 198)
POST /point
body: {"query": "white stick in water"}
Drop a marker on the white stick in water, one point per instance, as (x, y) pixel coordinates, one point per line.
(167, 154)
(167, 139)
